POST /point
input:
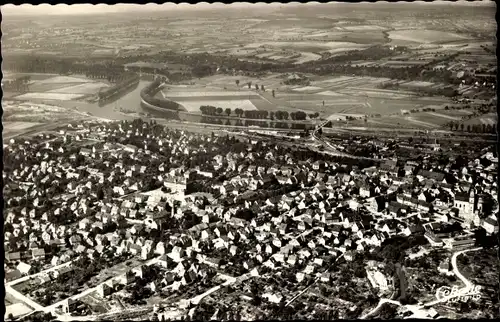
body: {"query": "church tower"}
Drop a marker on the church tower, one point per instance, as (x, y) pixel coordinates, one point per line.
(472, 198)
(470, 211)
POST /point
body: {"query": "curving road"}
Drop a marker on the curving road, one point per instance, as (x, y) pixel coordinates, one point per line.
(464, 291)
(333, 151)
(379, 305)
(468, 284)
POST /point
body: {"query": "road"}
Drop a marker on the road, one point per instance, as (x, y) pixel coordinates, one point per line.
(173, 315)
(414, 308)
(410, 132)
(333, 151)
(195, 300)
(51, 308)
(380, 303)
(468, 283)
(23, 298)
(54, 268)
(37, 129)
(315, 281)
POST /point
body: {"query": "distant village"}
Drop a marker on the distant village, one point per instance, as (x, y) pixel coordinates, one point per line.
(125, 216)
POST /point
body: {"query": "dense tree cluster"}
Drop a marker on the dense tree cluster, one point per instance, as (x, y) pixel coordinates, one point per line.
(116, 90)
(148, 95)
(19, 84)
(256, 114)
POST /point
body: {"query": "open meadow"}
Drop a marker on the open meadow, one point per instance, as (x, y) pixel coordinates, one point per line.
(53, 87)
(50, 96)
(425, 36)
(327, 95)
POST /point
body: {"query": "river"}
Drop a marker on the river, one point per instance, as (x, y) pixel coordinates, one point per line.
(129, 102)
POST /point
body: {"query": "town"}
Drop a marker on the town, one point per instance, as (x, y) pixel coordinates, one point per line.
(131, 219)
(250, 161)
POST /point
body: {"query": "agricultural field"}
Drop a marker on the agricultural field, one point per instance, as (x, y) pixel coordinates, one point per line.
(87, 88)
(19, 117)
(11, 128)
(307, 89)
(64, 80)
(17, 126)
(348, 81)
(397, 121)
(287, 23)
(194, 106)
(50, 96)
(229, 82)
(401, 64)
(305, 57)
(425, 36)
(343, 95)
(377, 93)
(308, 48)
(364, 28)
(487, 119)
(422, 120)
(60, 88)
(201, 93)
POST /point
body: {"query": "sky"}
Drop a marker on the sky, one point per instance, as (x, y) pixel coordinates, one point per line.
(64, 9)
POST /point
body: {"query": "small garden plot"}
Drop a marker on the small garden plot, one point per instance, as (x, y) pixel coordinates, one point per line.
(88, 88)
(50, 96)
(96, 304)
(16, 310)
(65, 80)
(194, 106)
